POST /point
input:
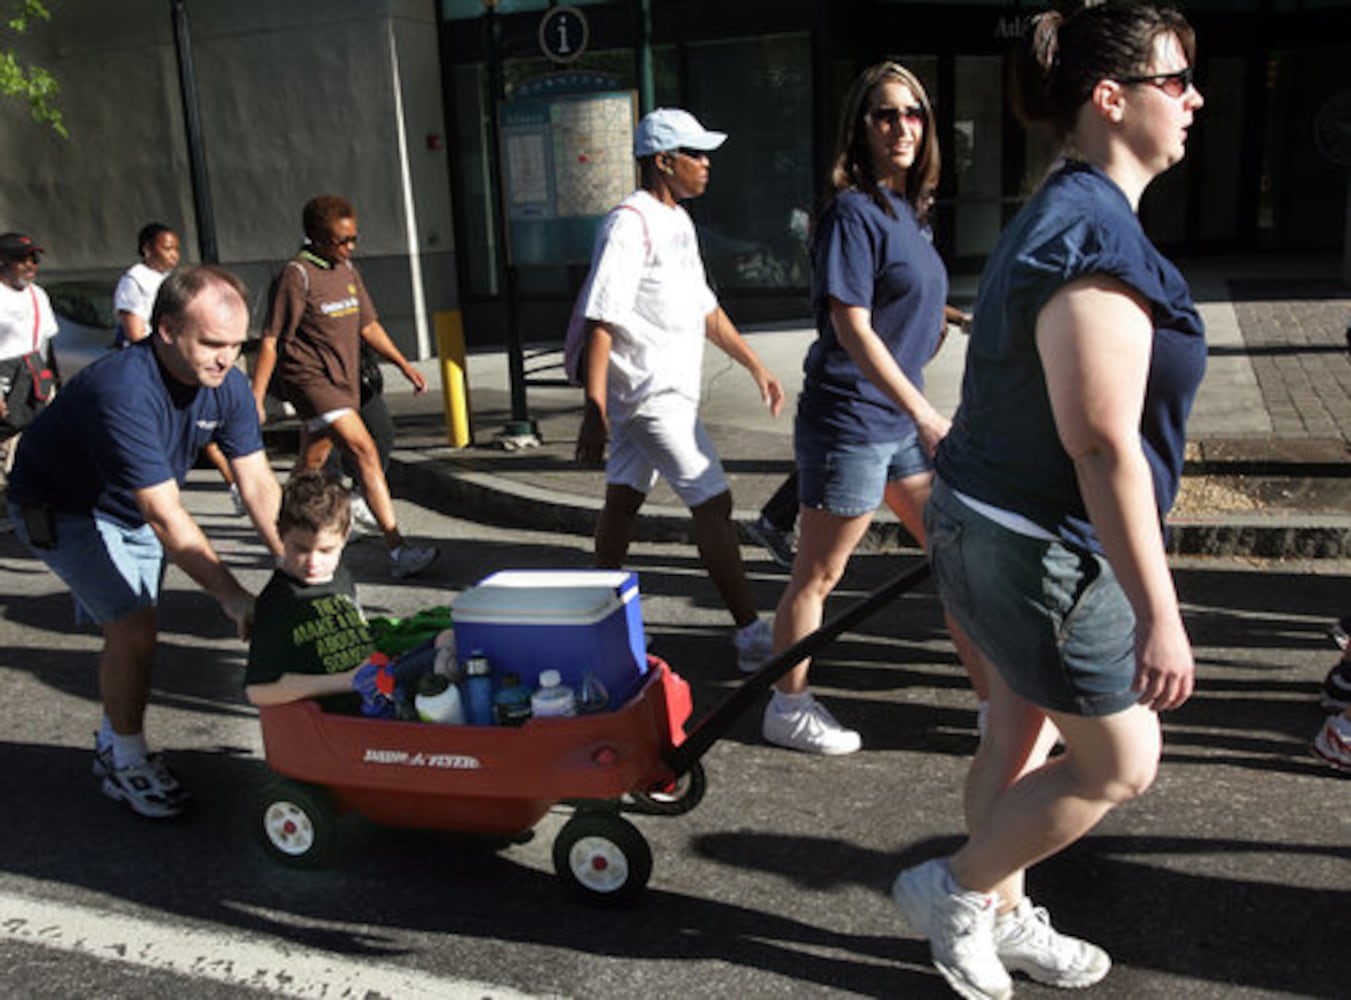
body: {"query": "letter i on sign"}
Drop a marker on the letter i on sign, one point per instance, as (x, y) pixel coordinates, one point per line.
(563, 33)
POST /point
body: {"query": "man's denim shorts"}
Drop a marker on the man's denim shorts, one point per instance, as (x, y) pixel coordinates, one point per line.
(110, 570)
(849, 479)
(1052, 618)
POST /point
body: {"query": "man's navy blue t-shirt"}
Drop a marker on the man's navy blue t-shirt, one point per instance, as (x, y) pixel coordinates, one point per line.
(124, 424)
(864, 257)
(1003, 448)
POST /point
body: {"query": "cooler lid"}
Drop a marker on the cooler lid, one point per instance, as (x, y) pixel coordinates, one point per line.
(554, 597)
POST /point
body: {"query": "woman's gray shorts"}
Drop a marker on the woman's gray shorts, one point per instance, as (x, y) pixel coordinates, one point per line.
(1052, 618)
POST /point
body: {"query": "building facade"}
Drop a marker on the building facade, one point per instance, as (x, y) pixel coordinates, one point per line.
(405, 107)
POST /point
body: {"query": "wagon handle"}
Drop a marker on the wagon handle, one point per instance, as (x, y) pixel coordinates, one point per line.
(714, 726)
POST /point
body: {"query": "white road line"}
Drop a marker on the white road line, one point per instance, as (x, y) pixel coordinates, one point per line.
(229, 957)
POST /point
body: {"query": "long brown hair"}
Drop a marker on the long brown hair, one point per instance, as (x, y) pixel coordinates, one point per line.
(853, 159)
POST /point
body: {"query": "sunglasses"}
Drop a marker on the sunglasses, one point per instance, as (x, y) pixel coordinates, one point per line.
(1172, 84)
(891, 117)
(693, 154)
(343, 241)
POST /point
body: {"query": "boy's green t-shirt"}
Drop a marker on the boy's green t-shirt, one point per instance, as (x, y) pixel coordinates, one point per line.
(307, 629)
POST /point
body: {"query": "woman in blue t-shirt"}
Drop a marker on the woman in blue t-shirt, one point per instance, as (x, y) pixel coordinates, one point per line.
(864, 430)
(1045, 525)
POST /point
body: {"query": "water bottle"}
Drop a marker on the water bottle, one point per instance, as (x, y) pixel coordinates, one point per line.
(438, 700)
(592, 697)
(511, 705)
(478, 690)
(552, 698)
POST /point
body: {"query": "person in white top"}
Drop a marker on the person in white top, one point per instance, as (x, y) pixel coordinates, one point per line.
(135, 295)
(648, 310)
(26, 319)
(26, 324)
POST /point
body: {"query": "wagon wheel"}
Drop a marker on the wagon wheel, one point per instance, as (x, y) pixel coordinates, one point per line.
(603, 857)
(296, 824)
(675, 798)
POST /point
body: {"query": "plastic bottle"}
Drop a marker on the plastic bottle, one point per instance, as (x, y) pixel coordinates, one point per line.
(478, 690)
(511, 704)
(438, 700)
(592, 696)
(552, 698)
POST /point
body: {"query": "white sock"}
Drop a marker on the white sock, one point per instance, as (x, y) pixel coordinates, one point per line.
(129, 750)
(787, 704)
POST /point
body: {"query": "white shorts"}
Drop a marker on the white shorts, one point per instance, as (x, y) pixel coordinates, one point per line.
(316, 424)
(666, 438)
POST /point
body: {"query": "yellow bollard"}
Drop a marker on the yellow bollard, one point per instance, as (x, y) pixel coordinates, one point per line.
(450, 347)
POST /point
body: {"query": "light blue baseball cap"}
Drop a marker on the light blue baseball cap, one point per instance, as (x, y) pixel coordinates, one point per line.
(666, 129)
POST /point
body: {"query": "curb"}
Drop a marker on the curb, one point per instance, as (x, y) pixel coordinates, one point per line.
(491, 499)
(448, 488)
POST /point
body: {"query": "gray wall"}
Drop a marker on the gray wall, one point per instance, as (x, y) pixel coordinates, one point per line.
(297, 98)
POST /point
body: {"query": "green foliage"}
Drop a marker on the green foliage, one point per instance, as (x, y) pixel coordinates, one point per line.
(31, 83)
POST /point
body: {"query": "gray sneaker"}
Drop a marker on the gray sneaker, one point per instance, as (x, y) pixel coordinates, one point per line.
(754, 646)
(363, 518)
(959, 926)
(779, 544)
(1026, 942)
(411, 560)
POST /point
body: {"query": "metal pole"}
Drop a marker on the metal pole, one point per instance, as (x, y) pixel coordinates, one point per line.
(192, 123)
(647, 88)
(521, 424)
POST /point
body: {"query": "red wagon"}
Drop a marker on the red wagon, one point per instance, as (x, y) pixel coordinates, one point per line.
(500, 781)
(491, 780)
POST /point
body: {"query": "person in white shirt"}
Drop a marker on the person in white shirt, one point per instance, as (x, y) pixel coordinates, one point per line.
(648, 310)
(27, 324)
(135, 295)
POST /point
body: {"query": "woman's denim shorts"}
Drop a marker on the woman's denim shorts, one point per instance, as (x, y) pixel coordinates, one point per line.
(848, 479)
(1052, 618)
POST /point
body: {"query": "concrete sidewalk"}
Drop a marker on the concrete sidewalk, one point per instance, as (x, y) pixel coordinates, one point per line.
(1269, 471)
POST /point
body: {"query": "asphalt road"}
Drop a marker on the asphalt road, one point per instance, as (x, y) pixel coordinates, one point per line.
(1229, 878)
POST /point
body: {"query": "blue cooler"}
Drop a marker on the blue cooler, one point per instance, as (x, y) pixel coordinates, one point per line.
(572, 621)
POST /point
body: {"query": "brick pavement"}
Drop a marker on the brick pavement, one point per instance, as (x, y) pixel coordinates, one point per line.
(1295, 336)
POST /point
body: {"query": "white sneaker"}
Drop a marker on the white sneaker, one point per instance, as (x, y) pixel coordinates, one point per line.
(754, 646)
(1026, 942)
(148, 788)
(410, 560)
(810, 729)
(238, 501)
(363, 518)
(959, 926)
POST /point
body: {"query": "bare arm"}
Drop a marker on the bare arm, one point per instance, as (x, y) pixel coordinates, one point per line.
(1095, 337)
(263, 367)
(853, 325)
(133, 325)
(380, 341)
(185, 544)
(722, 333)
(261, 495)
(595, 427)
(293, 687)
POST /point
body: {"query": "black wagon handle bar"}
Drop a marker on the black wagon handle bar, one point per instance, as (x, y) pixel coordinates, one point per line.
(715, 724)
